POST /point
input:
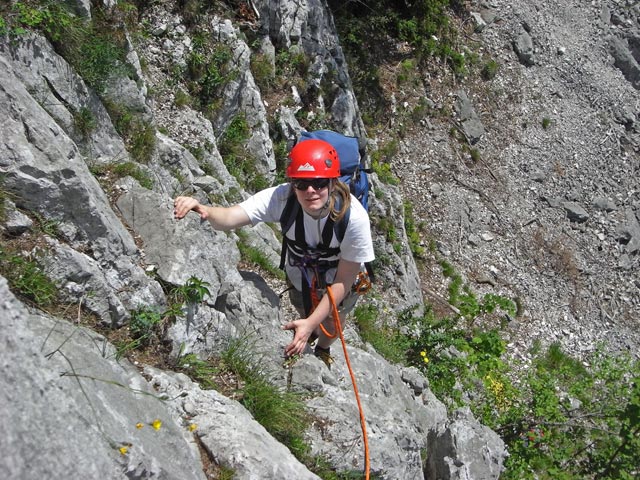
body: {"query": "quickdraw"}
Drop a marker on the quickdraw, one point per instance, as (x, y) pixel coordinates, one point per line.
(362, 284)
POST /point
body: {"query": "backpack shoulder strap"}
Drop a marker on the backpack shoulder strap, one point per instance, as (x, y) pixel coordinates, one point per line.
(341, 227)
(287, 217)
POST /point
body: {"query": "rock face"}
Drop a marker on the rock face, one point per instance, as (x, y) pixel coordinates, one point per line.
(65, 397)
(117, 250)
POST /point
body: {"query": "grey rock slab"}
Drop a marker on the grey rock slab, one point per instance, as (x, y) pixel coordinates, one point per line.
(228, 431)
(67, 406)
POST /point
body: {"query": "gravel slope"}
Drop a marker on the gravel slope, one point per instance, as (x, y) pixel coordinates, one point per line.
(548, 213)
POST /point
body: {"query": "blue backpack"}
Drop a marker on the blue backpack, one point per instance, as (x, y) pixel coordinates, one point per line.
(353, 173)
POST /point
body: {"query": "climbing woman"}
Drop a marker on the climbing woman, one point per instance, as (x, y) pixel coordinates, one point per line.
(327, 240)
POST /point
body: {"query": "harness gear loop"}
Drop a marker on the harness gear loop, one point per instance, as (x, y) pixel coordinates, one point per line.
(338, 327)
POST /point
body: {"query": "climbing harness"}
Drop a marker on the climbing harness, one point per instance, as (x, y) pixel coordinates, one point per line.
(323, 253)
(338, 328)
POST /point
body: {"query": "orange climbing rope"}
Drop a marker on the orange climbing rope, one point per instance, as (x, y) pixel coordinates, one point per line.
(338, 327)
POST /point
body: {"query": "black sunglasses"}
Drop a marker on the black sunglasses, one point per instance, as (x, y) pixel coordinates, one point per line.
(315, 183)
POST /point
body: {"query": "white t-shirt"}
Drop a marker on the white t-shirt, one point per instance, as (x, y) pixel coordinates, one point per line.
(357, 246)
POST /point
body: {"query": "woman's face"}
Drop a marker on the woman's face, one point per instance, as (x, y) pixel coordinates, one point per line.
(312, 194)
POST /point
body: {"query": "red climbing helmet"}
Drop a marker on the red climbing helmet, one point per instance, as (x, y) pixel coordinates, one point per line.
(313, 159)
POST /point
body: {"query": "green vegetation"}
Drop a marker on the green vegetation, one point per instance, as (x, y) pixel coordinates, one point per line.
(182, 98)
(381, 162)
(139, 134)
(374, 29)
(569, 419)
(559, 417)
(111, 172)
(386, 339)
(146, 323)
(96, 49)
(194, 290)
(412, 231)
(202, 371)
(387, 227)
(85, 122)
(26, 278)
(546, 122)
(408, 72)
(475, 154)
(47, 227)
(280, 152)
(292, 64)
(489, 70)
(4, 196)
(282, 413)
(237, 159)
(238, 373)
(255, 256)
(209, 69)
(143, 324)
(263, 72)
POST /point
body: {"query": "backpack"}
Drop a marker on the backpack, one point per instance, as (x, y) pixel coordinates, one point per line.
(354, 174)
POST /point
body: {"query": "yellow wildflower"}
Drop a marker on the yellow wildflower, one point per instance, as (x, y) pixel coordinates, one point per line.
(157, 423)
(139, 425)
(192, 427)
(423, 354)
(123, 450)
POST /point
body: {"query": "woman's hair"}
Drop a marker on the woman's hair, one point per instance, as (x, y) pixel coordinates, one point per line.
(339, 199)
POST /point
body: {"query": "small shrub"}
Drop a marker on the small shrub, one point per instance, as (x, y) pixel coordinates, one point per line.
(546, 122)
(143, 324)
(386, 226)
(114, 171)
(381, 162)
(209, 68)
(51, 18)
(408, 72)
(141, 141)
(237, 159)
(182, 98)
(195, 290)
(263, 71)
(27, 279)
(489, 70)
(291, 63)
(202, 371)
(138, 133)
(412, 232)
(4, 196)
(84, 122)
